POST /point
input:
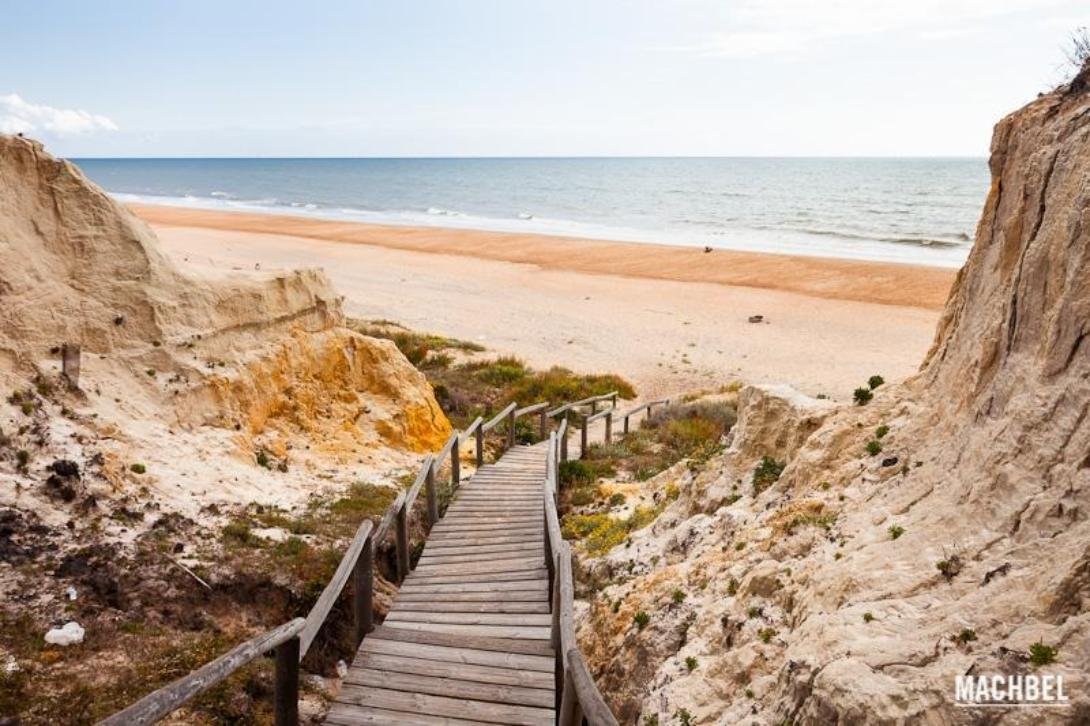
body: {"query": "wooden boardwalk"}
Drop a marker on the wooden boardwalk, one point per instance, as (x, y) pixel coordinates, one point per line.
(468, 637)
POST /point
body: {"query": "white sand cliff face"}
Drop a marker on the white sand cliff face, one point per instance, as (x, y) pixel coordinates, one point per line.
(191, 377)
(821, 599)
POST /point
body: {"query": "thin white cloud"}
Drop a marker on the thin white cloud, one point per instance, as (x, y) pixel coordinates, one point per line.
(19, 116)
(786, 28)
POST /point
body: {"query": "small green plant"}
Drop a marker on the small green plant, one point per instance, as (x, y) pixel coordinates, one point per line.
(881, 431)
(651, 720)
(138, 469)
(641, 619)
(616, 607)
(874, 447)
(949, 567)
(739, 545)
(895, 531)
(1041, 654)
(678, 597)
(691, 664)
(766, 634)
(22, 458)
(766, 473)
(967, 635)
(684, 717)
(263, 459)
(868, 617)
(732, 587)
(750, 693)
(238, 533)
(150, 372)
(875, 381)
(862, 396)
(616, 500)
(753, 611)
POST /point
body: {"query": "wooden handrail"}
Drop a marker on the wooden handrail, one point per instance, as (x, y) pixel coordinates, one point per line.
(155, 706)
(642, 406)
(600, 414)
(471, 429)
(499, 417)
(421, 476)
(594, 708)
(579, 698)
(583, 402)
(388, 518)
(531, 409)
(317, 615)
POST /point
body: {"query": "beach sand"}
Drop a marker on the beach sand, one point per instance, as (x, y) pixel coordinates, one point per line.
(671, 319)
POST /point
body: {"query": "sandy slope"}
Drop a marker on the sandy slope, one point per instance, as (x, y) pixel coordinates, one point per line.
(667, 335)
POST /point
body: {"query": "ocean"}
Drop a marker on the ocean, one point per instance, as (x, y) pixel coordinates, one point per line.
(916, 210)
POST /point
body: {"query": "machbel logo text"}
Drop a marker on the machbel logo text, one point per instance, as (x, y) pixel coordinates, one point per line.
(1010, 690)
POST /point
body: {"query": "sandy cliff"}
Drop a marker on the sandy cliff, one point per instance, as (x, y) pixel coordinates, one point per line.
(188, 375)
(856, 587)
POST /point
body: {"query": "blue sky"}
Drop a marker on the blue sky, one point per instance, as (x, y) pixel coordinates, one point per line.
(469, 78)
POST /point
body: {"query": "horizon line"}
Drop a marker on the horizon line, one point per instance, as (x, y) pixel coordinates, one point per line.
(524, 157)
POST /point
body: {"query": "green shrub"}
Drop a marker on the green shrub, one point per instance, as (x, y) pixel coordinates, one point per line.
(874, 447)
(875, 381)
(263, 459)
(766, 473)
(881, 431)
(641, 619)
(862, 396)
(691, 664)
(732, 587)
(238, 533)
(138, 469)
(22, 458)
(678, 596)
(967, 635)
(1041, 654)
(616, 499)
(868, 617)
(684, 717)
(766, 634)
(895, 531)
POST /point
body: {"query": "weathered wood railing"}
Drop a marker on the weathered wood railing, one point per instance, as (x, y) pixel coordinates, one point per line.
(578, 697)
(609, 415)
(291, 641)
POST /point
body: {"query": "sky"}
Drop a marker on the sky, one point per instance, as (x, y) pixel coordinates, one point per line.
(519, 78)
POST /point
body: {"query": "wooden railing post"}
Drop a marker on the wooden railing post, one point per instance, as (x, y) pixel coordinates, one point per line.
(543, 426)
(566, 714)
(363, 593)
(402, 543)
(583, 439)
(563, 452)
(511, 429)
(455, 465)
(594, 407)
(432, 495)
(626, 425)
(613, 399)
(286, 690)
(609, 427)
(480, 447)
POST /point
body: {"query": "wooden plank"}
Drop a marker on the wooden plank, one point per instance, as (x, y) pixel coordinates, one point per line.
(410, 616)
(505, 676)
(495, 538)
(484, 549)
(459, 656)
(431, 569)
(510, 596)
(536, 585)
(443, 706)
(502, 645)
(520, 632)
(487, 525)
(438, 557)
(461, 606)
(450, 687)
(537, 529)
(344, 714)
(438, 579)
